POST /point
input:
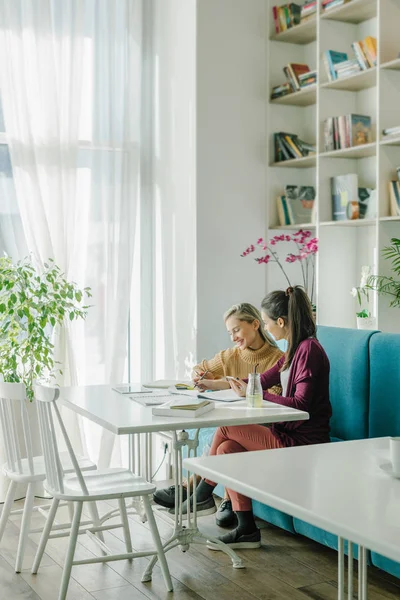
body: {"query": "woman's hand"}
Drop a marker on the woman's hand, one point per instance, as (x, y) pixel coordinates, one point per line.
(212, 384)
(238, 386)
(198, 374)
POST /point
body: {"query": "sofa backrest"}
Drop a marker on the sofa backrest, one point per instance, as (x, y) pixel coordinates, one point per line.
(384, 407)
(348, 353)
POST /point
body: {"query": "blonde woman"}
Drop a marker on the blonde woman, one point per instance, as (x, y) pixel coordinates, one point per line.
(252, 346)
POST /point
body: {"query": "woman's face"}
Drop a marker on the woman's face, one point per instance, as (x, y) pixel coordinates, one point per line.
(243, 334)
(277, 329)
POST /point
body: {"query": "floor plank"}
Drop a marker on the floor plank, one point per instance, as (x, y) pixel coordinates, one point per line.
(287, 567)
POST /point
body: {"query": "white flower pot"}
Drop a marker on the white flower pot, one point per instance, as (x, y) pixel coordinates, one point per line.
(366, 322)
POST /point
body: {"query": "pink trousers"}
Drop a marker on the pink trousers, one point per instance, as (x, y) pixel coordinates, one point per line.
(242, 438)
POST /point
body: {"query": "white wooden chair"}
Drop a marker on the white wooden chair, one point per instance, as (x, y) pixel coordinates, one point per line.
(21, 466)
(107, 484)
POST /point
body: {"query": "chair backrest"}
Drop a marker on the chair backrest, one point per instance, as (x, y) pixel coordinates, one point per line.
(13, 414)
(46, 398)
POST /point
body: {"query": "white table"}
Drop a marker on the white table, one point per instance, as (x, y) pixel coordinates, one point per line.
(339, 487)
(123, 416)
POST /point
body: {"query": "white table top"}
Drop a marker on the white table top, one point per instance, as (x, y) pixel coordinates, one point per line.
(339, 487)
(122, 415)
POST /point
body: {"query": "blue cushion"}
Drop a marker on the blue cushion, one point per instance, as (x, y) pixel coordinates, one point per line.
(384, 410)
(348, 353)
(386, 564)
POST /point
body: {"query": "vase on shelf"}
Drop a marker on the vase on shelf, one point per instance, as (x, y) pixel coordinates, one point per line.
(366, 322)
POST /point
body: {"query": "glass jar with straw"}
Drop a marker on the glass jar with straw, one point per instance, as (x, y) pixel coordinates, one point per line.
(254, 394)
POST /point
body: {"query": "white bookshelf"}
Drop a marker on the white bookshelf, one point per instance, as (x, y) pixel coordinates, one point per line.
(344, 246)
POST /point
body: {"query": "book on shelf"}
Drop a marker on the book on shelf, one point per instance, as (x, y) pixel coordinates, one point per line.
(286, 16)
(183, 407)
(394, 198)
(298, 77)
(328, 4)
(288, 146)
(330, 59)
(391, 131)
(338, 65)
(346, 131)
(285, 215)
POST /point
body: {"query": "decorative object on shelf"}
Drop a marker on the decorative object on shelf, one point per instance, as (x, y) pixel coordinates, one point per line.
(384, 285)
(306, 249)
(364, 318)
(33, 302)
(349, 201)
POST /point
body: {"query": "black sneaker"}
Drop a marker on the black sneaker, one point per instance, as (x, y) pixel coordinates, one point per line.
(225, 516)
(236, 541)
(207, 507)
(166, 496)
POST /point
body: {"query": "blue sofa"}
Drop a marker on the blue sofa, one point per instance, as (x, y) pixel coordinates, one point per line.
(365, 397)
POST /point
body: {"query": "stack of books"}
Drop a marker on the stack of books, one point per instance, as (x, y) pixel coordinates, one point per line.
(291, 14)
(328, 4)
(289, 146)
(307, 79)
(338, 64)
(296, 206)
(308, 10)
(346, 131)
(298, 77)
(286, 16)
(391, 132)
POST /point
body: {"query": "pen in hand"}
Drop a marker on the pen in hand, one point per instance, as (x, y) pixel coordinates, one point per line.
(202, 377)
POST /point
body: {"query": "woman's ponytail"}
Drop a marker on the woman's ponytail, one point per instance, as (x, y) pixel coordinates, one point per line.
(295, 308)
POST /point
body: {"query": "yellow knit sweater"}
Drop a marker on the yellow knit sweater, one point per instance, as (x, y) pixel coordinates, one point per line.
(239, 363)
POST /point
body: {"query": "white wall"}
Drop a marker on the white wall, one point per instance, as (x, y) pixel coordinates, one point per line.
(231, 196)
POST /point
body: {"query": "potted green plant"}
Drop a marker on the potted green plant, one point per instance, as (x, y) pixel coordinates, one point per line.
(32, 303)
(364, 318)
(382, 284)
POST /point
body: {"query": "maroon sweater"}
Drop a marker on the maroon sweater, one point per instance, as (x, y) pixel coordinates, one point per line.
(308, 390)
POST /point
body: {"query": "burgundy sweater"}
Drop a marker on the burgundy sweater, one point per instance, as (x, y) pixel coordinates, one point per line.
(308, 390)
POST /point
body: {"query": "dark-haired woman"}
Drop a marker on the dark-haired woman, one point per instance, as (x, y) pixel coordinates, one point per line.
(303, 373)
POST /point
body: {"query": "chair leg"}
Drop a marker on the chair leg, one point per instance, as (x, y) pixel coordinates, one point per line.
(125, 523)
(7, 507)
(71, 510)
(96, 519)
(158, 544)
(25, 527)
(71, 551)
(45, 535)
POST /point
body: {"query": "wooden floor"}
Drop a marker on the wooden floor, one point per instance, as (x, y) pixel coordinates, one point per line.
(287, 567)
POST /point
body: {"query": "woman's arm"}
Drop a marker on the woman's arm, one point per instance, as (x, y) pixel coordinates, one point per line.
(272, 377)
(306, 366)
(214, 366)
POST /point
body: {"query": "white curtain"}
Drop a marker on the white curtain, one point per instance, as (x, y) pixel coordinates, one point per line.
(70, 73)
(175, 186)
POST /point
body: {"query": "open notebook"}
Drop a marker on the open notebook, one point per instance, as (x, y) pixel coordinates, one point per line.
(220, 396)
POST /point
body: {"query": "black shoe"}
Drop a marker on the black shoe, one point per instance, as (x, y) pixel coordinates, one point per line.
(225, 516)
(166, 496)
(207, 507)
(234, 540)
